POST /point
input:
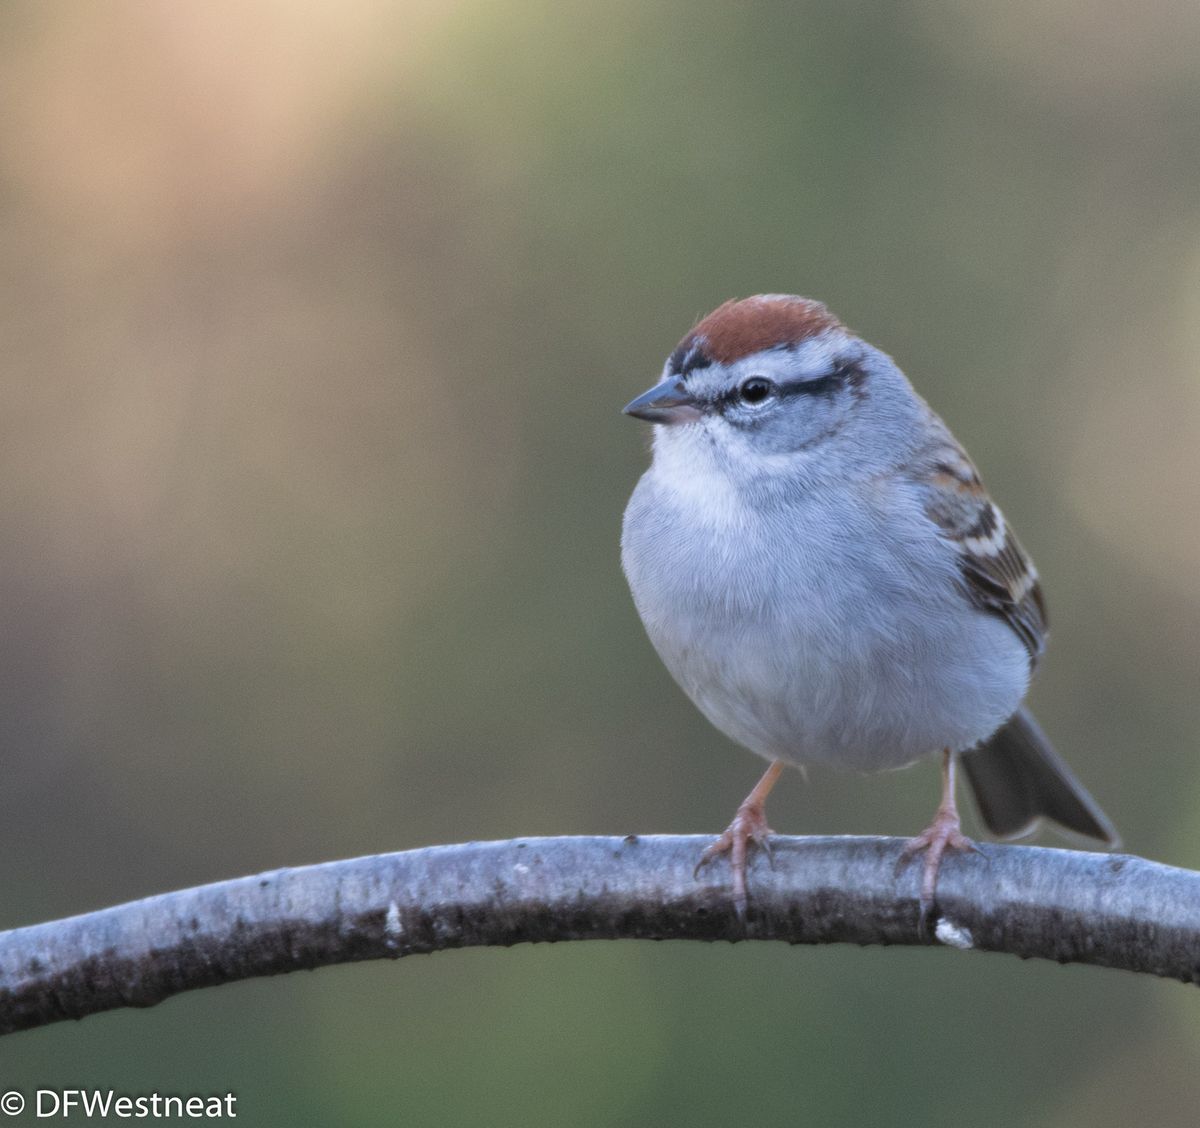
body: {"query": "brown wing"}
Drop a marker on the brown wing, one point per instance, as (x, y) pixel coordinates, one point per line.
(997, 574)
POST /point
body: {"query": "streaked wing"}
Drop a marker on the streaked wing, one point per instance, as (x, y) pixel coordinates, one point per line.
(997, 574)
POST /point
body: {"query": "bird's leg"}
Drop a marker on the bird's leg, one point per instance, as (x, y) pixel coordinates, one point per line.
(749, 827)
(944, 833)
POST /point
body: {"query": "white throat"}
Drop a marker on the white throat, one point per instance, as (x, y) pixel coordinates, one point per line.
(688, 464)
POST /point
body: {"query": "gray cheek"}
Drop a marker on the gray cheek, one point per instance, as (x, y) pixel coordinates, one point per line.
(797, 425)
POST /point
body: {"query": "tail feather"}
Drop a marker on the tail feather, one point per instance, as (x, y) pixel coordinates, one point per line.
(1018, 778)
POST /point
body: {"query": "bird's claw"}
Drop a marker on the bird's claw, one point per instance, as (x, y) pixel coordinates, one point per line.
(944, 833)
(748, 829)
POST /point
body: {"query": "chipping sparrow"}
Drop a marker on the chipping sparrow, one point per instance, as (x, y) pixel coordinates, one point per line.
(820, 568)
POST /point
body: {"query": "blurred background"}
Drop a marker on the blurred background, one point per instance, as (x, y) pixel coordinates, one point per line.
(316, 323)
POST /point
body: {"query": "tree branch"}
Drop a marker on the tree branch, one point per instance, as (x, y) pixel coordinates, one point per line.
(1115, 911)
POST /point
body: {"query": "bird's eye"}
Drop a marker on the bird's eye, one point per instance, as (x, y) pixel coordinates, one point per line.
(755, 389)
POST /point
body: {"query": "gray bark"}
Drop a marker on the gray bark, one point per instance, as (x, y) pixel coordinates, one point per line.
(1113, 910)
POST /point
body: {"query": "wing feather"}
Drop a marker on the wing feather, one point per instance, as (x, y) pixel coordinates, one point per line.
(997, 574)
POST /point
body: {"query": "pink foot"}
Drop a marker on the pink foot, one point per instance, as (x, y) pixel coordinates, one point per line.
(749, 828)
(944, 833)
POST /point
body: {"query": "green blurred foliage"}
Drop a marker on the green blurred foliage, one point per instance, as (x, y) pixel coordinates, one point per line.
(317, 322)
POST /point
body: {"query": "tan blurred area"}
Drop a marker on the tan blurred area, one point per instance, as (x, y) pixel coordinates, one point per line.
(316, 324)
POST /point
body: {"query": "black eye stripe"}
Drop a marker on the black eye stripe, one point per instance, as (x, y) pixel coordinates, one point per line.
(826, 385)
(822, 386)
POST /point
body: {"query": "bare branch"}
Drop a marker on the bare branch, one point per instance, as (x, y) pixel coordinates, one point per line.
(1115, 911)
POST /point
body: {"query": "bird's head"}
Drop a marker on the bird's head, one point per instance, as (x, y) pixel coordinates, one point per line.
(774, 386)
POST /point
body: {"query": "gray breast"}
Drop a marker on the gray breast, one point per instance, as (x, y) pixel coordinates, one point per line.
(829, 631)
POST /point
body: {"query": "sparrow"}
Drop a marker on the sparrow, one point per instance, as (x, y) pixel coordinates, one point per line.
(816, 561)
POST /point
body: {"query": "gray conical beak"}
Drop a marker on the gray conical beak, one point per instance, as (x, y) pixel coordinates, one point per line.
(668, 402)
